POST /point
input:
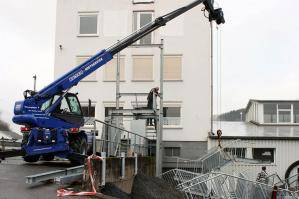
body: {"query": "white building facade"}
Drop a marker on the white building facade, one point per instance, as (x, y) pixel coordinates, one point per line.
(85, 27)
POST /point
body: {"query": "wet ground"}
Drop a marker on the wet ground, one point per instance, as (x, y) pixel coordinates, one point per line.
(12, 179)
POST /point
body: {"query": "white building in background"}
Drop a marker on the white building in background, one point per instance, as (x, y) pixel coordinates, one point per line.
(273, 112)
(85, 27)
(270, 135)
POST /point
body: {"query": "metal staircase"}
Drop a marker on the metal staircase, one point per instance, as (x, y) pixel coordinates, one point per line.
(215, 159)
(219, 174)
(221, 185)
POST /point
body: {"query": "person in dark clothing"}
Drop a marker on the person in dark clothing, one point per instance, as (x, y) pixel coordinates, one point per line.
(263, 176)
(274, 192)
(150, 100)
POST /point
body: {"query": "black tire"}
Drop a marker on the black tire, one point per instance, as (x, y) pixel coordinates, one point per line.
(78, 144)
(48, 157)
(32, 158)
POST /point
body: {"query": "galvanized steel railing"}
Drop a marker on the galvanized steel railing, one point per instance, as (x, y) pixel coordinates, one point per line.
(226, 158)
(114, 139)
(221, 185)
(215, 158)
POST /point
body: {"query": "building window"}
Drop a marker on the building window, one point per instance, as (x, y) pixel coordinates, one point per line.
(270, 113)
(284, 116)
(284, 113)
(110, 69)
(142, 68)
(172, 116)
(172, 151)
(265, 155)
(172, 67)
(140, 19)
(90, 113)
(107, 109)
(92, 76)
(88, 24)
(236, 152)
(142, 1)
(296, 112)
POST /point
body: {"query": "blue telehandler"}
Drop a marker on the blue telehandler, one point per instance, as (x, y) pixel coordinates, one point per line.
(51, 118)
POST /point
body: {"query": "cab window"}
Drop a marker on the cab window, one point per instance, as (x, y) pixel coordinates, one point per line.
(48, 103)
(74, 105)
(64, 107)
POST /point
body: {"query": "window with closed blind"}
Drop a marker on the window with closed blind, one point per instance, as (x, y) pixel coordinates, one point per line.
(91, 77)
(142, 68)
(296, 112)
(172, 151)
(110, 70)
(172, 67)
(88, 24)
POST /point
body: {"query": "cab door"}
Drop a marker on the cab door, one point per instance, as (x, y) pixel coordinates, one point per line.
(69, 110)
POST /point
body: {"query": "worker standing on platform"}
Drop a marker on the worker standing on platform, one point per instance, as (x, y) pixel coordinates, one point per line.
(150, 100)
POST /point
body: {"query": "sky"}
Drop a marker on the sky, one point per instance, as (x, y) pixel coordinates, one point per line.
(258, 43)
(27, 33)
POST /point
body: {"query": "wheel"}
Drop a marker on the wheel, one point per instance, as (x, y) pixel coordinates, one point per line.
(31, 158)
(48, 157)
(78, 144)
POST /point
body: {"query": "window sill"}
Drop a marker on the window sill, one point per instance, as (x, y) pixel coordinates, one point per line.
(172, 127)
(88, 80)
(261, 164)
(280, 124)
(135, 80)
(143, 2)
(87, 35)
(113, 81)
(173, 80)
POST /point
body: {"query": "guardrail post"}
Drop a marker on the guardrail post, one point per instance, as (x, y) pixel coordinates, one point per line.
(103, 180)
(136, 163)
(94, 138)
(123, 165)
(2, 144)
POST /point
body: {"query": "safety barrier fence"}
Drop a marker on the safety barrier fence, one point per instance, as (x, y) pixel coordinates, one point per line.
(291, 183)
(214, 158)
(275, 180)
(108, 169)
(114, 140)
(9, 143)
(221, 185)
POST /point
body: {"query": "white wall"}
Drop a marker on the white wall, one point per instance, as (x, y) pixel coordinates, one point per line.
(188, 35)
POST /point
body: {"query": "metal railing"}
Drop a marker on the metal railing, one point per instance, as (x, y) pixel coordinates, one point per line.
(221, 185)
(215, 158)
(115, 140)
(229, 158)
(171, 121)
(291, 183)
(274, 179)
(9, 143)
